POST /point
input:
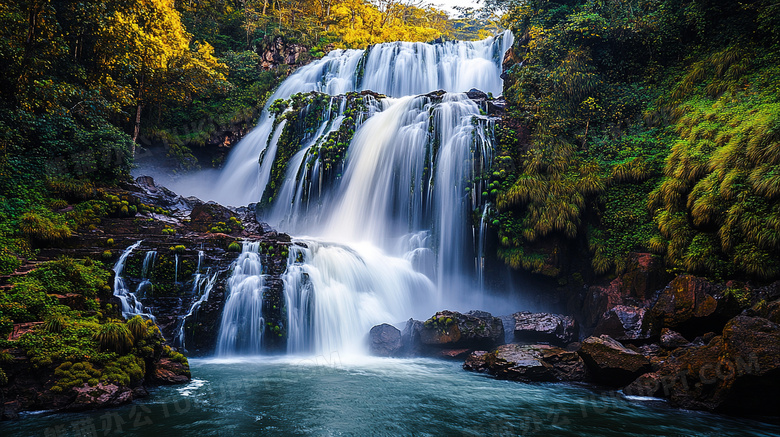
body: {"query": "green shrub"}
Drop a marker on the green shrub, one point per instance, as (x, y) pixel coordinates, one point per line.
(55, 324)
(234, 247)
(137, 327)
(42, 229)
(114, 336)
(9, 262)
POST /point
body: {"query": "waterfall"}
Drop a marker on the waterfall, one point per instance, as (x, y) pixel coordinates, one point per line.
(202, 286)
(146, 271)
(241, 329)
(396, 69)
(131, 306)
(334, 293)
(390, 236)
(480, 243)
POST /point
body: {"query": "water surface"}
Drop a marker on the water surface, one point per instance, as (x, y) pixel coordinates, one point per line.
(335, 395)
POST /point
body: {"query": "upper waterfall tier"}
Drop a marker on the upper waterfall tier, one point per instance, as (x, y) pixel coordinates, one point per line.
(401, 69)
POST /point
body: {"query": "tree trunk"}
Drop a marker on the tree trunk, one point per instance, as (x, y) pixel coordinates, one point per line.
(137, 124)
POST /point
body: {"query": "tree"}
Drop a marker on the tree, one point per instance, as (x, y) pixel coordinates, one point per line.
(146, 56)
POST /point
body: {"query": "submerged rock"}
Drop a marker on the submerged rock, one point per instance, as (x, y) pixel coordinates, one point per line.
(610, 362)
(385, 341)
(555, 329)
(453, 330)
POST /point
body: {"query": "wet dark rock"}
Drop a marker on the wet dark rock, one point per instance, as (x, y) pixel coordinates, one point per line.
(691, 306)
(385, 341)
(610, 362)
(737, 372)
(555, 329)
(100, 396)
(410, 338)
(622, 323)
(635, 288)
(476, 95)
(171, 372)
(476, 362)
(453, 330)
(672, 339)
(453, 354)
(205, 215)
(529, 363)
(496, 107)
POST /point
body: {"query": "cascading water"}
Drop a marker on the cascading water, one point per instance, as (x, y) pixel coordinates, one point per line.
(241, 329)
(202, 286)
(400, 212)
(131, 306)
(480, 243)
(146, 270)
(334, 292)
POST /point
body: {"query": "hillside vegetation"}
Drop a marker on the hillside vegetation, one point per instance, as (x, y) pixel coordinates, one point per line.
(642, 126)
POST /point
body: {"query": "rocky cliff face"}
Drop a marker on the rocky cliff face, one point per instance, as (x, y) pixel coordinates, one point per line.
(186, 251)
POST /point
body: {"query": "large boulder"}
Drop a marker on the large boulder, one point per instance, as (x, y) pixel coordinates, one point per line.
(636, 287)
(453, 330)
(622, 323)
(100, 396)
(385, 341)
(691, 306)
(205, 215)
(738, 372)
(555, 329)
(612, 363)
(167, 371)
(410, 338)
(529, 363)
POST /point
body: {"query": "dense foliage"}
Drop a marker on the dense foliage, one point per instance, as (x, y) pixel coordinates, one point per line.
(674, 101)
(79, 341)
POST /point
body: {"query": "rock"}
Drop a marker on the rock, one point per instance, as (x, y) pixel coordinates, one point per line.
(496, 107)
(738, 372)
(100, 396)
(476, 95)
(530, 363)
(205, 215)
(655, 353)
(453, 354)
(453, 330)
(476, 362)
(692, 306)
(385, 341)
(649, 384)
(636, 287)
(545, 328)
(622, 323)
(171, 372)
(612, 363)
(672, 340)
(410, 338)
